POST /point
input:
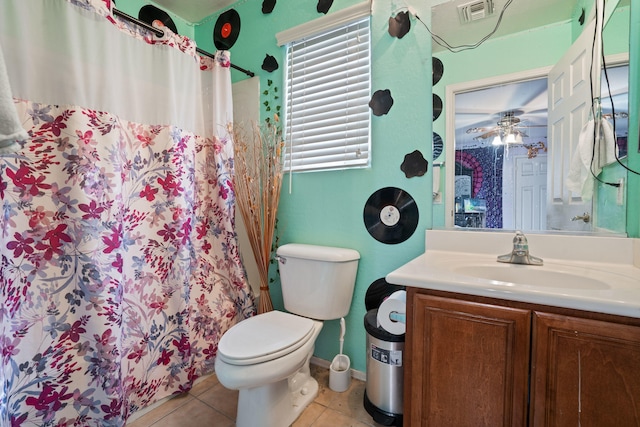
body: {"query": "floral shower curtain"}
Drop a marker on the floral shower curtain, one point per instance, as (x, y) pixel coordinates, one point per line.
(119, 261)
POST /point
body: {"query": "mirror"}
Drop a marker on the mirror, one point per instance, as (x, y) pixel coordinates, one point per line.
(498, 91)
(501, 149)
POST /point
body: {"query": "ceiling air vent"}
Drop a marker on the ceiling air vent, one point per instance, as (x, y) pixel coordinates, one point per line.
(475, 10)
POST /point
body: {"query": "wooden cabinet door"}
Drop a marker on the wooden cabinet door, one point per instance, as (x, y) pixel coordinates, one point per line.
(585, 373)
(469, 363)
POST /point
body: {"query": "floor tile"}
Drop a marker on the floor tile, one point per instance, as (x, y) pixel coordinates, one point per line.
(210, 404)
(195, 414)
(222, 399)
(204, 385)
(332, 418)
(325, 394)
(161, 411)
(310, 415)
(351, 404)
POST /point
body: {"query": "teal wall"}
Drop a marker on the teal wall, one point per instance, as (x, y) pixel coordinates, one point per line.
(132, 7)
(326, 208)
(513, 54)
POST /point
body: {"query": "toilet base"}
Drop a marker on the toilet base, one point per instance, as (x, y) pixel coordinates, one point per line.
(277, 404)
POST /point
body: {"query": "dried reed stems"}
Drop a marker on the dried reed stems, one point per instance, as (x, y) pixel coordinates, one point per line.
(257, 182)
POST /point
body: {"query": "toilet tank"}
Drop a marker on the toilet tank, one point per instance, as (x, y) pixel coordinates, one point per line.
(317, 281)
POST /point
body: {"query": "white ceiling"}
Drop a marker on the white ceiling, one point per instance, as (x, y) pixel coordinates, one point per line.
(479, 111)
(520, 15)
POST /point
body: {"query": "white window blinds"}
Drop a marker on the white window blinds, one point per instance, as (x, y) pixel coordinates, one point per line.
(327, 99)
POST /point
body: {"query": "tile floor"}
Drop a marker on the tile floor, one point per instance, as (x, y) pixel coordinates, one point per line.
(209, 404)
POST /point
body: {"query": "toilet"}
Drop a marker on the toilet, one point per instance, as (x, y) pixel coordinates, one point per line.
(266, 357)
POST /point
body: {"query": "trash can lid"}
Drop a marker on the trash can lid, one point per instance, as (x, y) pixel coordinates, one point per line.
(371, 326)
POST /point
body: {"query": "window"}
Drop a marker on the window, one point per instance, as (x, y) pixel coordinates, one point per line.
(327, 98)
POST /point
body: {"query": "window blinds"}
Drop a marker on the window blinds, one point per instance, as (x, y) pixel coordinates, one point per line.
(327, 97)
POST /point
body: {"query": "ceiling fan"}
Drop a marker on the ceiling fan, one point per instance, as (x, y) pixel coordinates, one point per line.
(507, 124)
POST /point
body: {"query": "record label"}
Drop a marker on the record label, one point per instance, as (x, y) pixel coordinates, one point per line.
(390, 215)
(226, 30)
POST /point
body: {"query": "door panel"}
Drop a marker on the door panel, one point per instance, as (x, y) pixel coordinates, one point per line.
(569, 106)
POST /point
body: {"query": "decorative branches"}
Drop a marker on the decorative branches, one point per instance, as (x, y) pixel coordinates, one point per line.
(257, 182)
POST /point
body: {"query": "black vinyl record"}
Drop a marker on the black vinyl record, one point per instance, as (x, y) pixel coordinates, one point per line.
(150, 13)
(437, 70)
(268, 5)
(378, 291)
(390, 215)
(227, 29)
(437, 106)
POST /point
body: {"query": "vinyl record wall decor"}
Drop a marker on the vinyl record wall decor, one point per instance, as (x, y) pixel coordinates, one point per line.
(437, 68)
(390, 215)
(150, 13)
(226, 30)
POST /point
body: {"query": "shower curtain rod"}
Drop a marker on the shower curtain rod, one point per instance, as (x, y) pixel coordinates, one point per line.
(160, 33)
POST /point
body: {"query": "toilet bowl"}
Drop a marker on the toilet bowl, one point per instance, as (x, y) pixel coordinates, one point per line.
(266, 358)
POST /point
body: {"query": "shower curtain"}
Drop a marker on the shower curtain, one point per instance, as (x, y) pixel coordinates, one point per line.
(119, 260)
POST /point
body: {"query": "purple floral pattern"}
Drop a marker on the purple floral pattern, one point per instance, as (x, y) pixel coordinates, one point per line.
(119, 266)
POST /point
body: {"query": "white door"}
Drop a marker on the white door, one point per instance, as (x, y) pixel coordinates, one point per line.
(569, 106)
(531, 193)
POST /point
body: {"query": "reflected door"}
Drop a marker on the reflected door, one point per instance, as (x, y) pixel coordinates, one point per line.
(531, 193)
(569, 105)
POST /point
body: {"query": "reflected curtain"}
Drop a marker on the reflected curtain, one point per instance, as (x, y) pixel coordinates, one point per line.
(119, 260)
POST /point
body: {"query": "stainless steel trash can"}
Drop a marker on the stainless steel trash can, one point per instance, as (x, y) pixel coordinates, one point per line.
(383, 390)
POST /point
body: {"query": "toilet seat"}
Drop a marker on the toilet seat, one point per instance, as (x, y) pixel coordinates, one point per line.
(264, 337)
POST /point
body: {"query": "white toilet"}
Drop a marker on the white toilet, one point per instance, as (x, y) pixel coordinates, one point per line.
(267, 356)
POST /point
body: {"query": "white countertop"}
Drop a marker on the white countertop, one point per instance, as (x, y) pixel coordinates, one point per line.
(587, 273)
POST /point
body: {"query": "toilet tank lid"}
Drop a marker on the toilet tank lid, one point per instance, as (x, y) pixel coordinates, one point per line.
(318, 253)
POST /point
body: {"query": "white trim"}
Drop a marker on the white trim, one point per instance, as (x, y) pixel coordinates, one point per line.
(324, 23)
(450, 111)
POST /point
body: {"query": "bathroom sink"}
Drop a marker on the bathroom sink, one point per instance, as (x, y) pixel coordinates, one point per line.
(532, 276)
(597, 274)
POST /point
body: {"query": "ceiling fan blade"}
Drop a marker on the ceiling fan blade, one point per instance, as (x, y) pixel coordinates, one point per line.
(530, 126)
(490, 134)
(476, 130)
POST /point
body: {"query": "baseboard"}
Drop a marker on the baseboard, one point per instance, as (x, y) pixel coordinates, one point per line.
(359, 375)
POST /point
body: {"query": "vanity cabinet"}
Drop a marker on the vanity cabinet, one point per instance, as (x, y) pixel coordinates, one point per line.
(477, 361)
(585, 372)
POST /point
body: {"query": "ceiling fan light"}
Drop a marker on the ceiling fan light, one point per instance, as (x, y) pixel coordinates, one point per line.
(497, 141)
(511, 139)
(519, 138)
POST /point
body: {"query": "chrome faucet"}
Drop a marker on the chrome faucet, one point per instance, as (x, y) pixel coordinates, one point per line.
(520, 253)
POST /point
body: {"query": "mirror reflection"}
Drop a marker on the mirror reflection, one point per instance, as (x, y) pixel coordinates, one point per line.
(497, 170)
(501, 132)
(501, 146)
